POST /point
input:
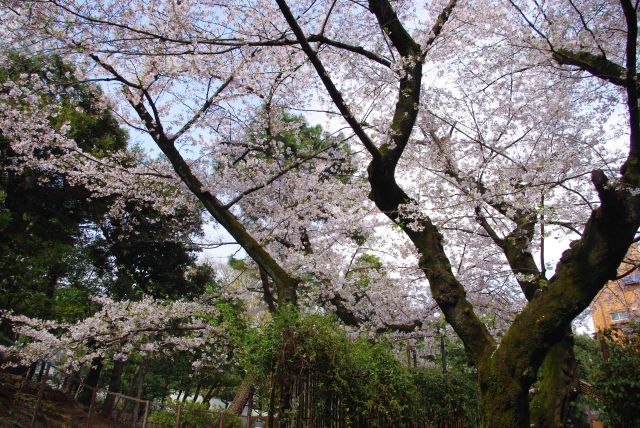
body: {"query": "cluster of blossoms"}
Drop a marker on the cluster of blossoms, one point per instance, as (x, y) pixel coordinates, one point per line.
(117, 329)
(26, 118)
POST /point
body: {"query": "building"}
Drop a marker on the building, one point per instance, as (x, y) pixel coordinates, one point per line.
(619, 301)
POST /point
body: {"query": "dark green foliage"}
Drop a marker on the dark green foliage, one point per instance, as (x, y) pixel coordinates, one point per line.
(363, 379)
(588, 357)
(141, 255)
(43, 215)
(443, 395)
(618, 379)
(59, 245)
(5, 214)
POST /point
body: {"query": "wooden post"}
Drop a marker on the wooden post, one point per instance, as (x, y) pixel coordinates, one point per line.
(146, 414)
(220, 419)
(178, 416)
(91, 406)
(43, 380)
(443, 354)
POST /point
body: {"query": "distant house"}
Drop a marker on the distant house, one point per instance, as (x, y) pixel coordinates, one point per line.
(619, 301)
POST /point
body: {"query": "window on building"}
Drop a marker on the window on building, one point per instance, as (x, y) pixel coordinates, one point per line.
(619, 316)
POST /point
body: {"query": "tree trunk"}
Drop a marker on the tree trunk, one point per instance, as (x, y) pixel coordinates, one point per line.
(114, 386)
(506, 377)
(140, 387)
(54, 274)
(550, 405)
(71, 383)
(504, 392)
(32, 371)
(207, 397)
(195, 394)
(240, 400)
(165, 391)
(43, 365)
(272, 401)
(286, 394)
(91, 381)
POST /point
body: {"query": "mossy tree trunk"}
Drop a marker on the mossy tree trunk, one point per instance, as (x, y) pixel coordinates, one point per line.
(505, 389)
(557, 386)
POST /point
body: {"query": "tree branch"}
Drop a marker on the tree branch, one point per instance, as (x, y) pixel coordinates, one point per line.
(285, 283)
(291, 167)
(202, 109)
(335, 95)
(596, 65)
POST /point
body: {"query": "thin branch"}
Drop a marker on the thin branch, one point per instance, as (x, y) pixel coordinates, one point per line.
(335, 94)
(278, 175)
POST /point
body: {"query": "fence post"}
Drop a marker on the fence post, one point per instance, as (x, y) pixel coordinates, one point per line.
(91, 405)
(178, 415)
(40, 393)
(146, 414)
(221, 419)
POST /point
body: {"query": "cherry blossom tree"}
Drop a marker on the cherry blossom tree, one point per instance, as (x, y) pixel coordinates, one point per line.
(485, 128)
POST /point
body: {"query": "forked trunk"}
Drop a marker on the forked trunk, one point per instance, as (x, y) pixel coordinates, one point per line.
(506, 378)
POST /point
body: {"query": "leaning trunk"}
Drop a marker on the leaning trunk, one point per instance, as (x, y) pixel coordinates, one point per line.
(240, 400)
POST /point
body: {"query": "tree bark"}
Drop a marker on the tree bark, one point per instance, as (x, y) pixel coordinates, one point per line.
(114, 386)
(207, 397)
(140, 388)
(91, 380)
(195, 394)
(550, 404)
(507, 371)
(241, 398)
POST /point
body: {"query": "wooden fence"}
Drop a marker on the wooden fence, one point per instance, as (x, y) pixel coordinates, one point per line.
(310, 407)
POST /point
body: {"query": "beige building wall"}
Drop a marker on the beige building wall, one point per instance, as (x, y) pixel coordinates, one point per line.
(619, 301)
